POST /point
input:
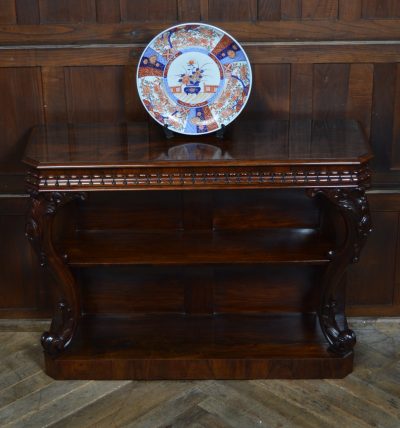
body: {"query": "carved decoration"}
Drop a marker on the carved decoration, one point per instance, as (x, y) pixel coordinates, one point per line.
(353, 206)
(61, 330)
(191, 177)
(38, 230)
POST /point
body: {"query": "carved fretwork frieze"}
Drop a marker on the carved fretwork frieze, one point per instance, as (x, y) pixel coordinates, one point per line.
(232, 177)
(353, 206)
(61, 330)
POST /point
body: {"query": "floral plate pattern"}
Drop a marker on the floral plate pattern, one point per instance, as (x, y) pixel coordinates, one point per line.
(194, 78)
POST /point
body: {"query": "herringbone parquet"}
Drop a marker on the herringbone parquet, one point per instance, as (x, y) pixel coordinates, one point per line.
(368, 397)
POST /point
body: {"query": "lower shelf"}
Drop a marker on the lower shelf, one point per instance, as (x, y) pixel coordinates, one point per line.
(199, 347)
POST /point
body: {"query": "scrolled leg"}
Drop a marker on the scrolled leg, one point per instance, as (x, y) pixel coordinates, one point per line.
(38, 230)
(352, 205)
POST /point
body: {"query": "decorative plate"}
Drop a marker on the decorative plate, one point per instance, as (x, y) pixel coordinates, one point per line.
(194, 78)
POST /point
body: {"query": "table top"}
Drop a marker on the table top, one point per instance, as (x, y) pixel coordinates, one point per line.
(252, 154)
(245, 143)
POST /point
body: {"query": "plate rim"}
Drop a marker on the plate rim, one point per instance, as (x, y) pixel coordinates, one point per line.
(200, 24)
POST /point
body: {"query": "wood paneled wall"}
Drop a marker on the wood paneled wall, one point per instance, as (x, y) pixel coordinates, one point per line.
(75, 61)
(114, 11)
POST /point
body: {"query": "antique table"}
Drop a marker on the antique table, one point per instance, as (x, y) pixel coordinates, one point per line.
(198, 257)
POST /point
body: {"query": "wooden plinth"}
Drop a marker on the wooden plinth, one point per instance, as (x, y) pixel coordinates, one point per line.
(199, 347)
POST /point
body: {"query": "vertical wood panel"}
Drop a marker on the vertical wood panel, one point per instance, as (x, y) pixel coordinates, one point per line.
(382, 114)
(330, 90)
(20, 109)
(381, 9)
(134, 109)
(7, 12)
(54, 101)
(319, 9)
(204, 10)
(149, 10)
(371, 280)
(359, 102)
(189, 10)
(350, 10)
(232, 10)
(396, 125)
(301, 91)
(95, 94)
(24, 285)
(67, 11)
(269, 10)
(27, 11)
(271, 99)
(108, 11)
(291, 9)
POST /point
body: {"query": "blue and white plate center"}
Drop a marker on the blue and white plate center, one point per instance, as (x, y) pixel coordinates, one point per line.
(193, 78)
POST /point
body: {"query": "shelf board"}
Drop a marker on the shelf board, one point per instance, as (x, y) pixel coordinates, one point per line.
(177, 346)
(283, 245)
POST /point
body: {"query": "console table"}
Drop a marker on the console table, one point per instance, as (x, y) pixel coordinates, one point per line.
(198, 257)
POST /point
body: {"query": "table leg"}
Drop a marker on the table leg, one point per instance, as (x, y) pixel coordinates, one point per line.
(39, 226)
(353, 206)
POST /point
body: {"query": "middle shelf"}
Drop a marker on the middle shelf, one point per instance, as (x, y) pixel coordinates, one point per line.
(177, 247)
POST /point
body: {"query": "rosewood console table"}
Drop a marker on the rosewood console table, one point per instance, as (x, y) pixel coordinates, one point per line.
(196, 258)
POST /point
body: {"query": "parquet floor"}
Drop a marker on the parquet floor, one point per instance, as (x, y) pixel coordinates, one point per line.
(368, 397)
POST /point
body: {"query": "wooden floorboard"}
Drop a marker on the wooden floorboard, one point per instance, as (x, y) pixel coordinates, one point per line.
(369, 397)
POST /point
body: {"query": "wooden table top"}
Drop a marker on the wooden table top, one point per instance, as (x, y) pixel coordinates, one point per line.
(245, 142)
(254, 153)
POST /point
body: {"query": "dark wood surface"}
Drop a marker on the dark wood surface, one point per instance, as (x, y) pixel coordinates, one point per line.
(192, 337)
(247, 142)
(197, 247)
(79, 65)
(199, 347)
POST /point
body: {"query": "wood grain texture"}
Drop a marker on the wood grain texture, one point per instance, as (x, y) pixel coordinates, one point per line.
(317, 9)
(382, 114)
(360, 93)
(154, 10)
(143, 31)
(21, 106)
(54, 97)
(395, 161)
(331, 82)
(108, 11)
(301, 90)
(269, 10)
(189, 10)
(381, 9)
(7, 12)
(232, 10)
(27, 11)
(350, 10)
(291, 9)
(29, 397)
(272, 97)
(94, 94)
(64, 11)
(364, 277)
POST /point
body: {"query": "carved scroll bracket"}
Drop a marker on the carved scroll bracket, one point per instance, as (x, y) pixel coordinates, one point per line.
(352, 204)
(38, 230)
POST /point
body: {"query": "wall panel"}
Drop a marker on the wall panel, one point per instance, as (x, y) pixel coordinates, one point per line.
(20, 108)
(381, 9)
(95, 94)
(310, 58)
(67, 11)
(232, 10)
(7, 12)
(133, 10)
